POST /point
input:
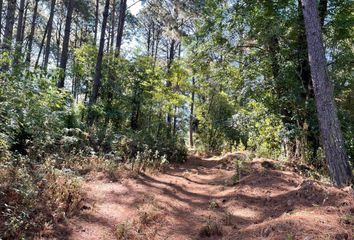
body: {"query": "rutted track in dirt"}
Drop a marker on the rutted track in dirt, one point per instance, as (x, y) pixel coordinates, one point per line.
(186, 199)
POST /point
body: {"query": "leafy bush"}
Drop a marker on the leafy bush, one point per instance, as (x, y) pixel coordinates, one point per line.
(145, 148)
(33, 111)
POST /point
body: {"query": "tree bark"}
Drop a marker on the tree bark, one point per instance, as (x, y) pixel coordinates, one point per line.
(65, 50)
(157, 43)
(96, 20)
(310, 136)
(153, 40)
(19, 31)
(41, 46)
(121, 22)
(170, 57)
(191, 116)
(9, 25)
(113, 22)
(24, 22)
(148, 40)
(135, 103)
(58, 39)
(49, 34)
(1, 5)
(20, 22)
(332, 138)
(109, 34)
(174, 131)
(98, 70)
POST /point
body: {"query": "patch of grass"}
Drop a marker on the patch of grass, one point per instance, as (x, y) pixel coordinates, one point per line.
(242, 169)
(279, 166)
(211, 228)
(123, 171)
(147, 214)
(290, 236)
(213, 204)
(348, 219)
(141, 227)
(227, 218)
(123, 231)
(250, 156)
(235, 179)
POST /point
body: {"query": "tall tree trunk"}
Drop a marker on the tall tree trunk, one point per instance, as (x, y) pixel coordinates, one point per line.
(157, 43)
(174, 131)
(111, 77)
(31, 35)
(310, 136)
(1, 5)
(49, 34)
(41, 46)
(109, 34)
(274, 49)
(96, 20)
(24, 22)
(177, 88)
(58, 39)
(170, 57)
(153, 40)
(76, 35)
(9, 25)
(113, 22)
(332, 138)
(135, 112)
(191, 116)
(148, 41)
(65, 50)
(179, 50)
(98, 70)
(121, 22)
(20, 24)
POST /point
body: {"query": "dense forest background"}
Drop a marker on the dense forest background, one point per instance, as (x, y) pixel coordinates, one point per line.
(85, 78)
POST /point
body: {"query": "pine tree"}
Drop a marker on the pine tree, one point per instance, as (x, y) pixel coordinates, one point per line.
(332, 138)
(66, 40)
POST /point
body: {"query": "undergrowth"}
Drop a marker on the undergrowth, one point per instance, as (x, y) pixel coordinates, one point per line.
(140, 227)
(42, 187)
(33, 196)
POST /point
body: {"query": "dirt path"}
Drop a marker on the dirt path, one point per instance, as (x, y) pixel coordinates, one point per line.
(197, 200)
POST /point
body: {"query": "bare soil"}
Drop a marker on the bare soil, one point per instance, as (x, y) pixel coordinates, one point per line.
(199, 200)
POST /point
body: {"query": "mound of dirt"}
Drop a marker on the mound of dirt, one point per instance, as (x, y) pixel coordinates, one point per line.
(287, 206)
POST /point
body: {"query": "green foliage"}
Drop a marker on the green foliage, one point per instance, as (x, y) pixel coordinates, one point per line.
(214, 124)
(263, 129)
(146, 148)
(255, 54)
(33, 111)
